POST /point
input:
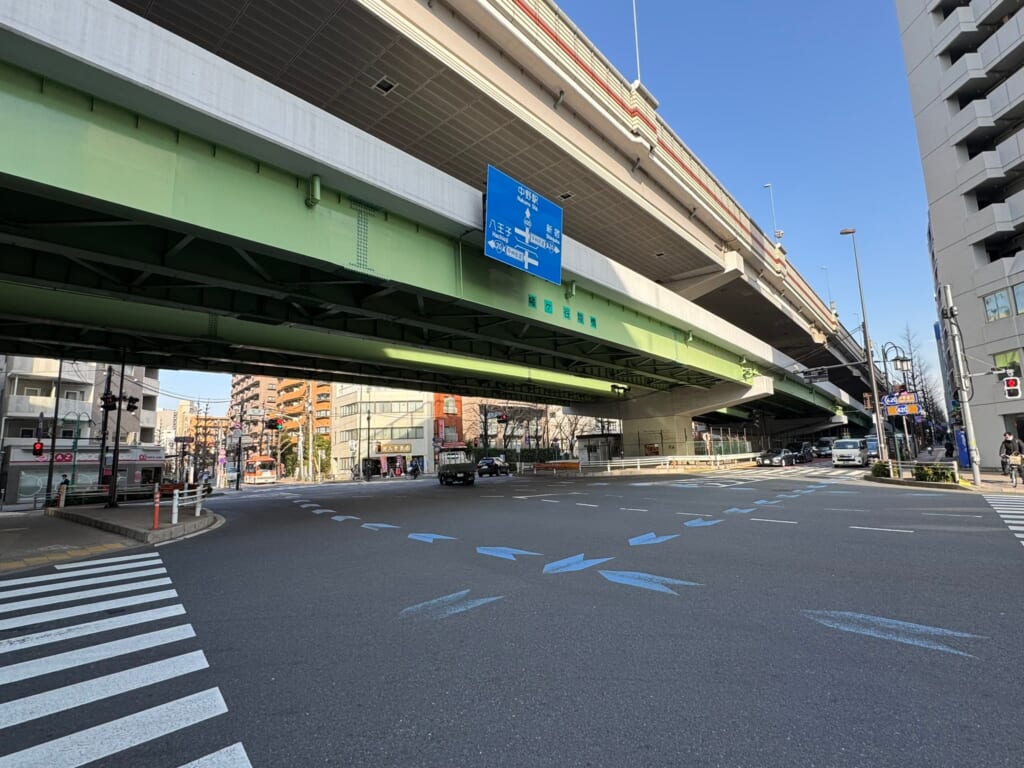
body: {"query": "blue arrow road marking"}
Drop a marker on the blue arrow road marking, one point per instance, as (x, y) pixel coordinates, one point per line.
(343, 518)
(430, 538)
(788, 495)
(378, 526)
(889, 629)
(646, 581)
(737, 511)
(762, 502)
(700, 523)
(443, 607)
(505, 553)
(650, 538)
(574, 563)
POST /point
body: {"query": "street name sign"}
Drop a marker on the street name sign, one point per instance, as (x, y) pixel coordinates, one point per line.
(522, 229)
(905, 409)
(900, 398)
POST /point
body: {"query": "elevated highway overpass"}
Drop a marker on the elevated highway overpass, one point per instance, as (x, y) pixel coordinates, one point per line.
(160, 200)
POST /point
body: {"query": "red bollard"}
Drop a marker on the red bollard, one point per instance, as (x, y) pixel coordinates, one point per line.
(156, 507)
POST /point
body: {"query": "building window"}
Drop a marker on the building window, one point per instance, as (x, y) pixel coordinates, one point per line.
(449, 405)
(32, 433)
(32, 392)
(1018, 297)
(1009, 359)
(997, 306)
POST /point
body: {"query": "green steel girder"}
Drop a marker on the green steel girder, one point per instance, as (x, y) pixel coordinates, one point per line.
(77, 147)
(88, 327)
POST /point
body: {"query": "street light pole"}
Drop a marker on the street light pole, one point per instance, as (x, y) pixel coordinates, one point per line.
(776, 232)
(366, 461)
(883, 451)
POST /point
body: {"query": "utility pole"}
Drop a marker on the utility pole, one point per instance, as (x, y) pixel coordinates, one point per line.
(961, 378)
(112, 500)
(53, 429)
(103, 435)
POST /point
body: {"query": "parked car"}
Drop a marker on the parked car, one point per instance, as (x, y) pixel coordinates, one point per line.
(803, 450)
(850, 451)
(490, 465)
(776, 457)
(823, 447)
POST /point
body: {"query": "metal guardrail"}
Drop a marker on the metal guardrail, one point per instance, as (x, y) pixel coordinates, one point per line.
(647, 462)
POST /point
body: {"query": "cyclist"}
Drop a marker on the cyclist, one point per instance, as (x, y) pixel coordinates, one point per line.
(1008, 447)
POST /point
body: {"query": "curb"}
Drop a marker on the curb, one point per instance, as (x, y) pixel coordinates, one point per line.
(183, 528)
(918, 483)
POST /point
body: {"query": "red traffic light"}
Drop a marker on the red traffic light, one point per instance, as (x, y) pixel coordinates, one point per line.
(1011, 387)
(37, 448)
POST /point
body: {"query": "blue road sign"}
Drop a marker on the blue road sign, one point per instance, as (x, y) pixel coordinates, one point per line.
(522, 229)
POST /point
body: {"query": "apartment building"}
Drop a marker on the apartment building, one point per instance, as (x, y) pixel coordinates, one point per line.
(965, 69)
(30, 393)
(253, 401)
(305, 406)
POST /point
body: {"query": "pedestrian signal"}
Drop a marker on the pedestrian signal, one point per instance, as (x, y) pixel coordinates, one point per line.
(1011, 387)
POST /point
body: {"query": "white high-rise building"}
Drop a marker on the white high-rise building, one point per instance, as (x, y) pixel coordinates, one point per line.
(965, 68)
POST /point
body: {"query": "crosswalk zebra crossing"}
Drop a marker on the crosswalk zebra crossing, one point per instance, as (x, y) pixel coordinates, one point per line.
(1011, 510)
(797, 469)
(98, 664)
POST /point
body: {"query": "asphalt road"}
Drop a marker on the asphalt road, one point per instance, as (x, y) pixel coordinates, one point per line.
(758, 618)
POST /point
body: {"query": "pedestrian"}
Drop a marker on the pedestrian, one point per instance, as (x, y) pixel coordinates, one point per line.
(64, 480)
(1008, 447)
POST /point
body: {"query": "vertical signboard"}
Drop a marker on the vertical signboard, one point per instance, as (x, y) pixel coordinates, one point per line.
(521, 228)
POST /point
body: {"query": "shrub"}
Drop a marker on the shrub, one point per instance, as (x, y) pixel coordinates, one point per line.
(880, 469)
(934, 473)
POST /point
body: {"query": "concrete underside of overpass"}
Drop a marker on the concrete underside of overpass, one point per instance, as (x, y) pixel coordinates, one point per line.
(125, 235)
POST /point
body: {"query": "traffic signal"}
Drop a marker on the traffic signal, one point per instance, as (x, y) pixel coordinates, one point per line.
(503, 418)
(277, 424)
(133, 404)
(1011, 387)
(37, 448)
(108, 402)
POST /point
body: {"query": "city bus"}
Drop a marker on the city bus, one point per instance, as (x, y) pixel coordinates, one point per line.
(260, 469)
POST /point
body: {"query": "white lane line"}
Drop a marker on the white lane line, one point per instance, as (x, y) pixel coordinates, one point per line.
(551, 501)
(118, 735)
(86, 692)
(581, 504)
(492, 497)
(89, 628)
(229, 757)
(80, 583)
(72, 596)
(947, 514)
(69, 659)
(108, 561)
(12, 530)
(45, 617)
(76, 574)
(766, 520)
(888, 530)
(842, 509)
(692, 514)
(631, 509)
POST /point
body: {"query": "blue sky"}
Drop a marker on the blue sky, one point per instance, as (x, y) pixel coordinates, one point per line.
(810, 97)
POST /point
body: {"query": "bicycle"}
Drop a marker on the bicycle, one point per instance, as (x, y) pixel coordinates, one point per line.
(1013, 466)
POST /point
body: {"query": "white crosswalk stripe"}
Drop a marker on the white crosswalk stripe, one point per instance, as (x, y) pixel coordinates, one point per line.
(800, 470)
(48, 671)
(1010, 510)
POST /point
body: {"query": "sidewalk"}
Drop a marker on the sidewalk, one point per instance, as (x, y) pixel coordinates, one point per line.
(31, 538)
(992, 480)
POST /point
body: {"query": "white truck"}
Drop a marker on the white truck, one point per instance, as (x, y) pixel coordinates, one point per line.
(455, 467)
